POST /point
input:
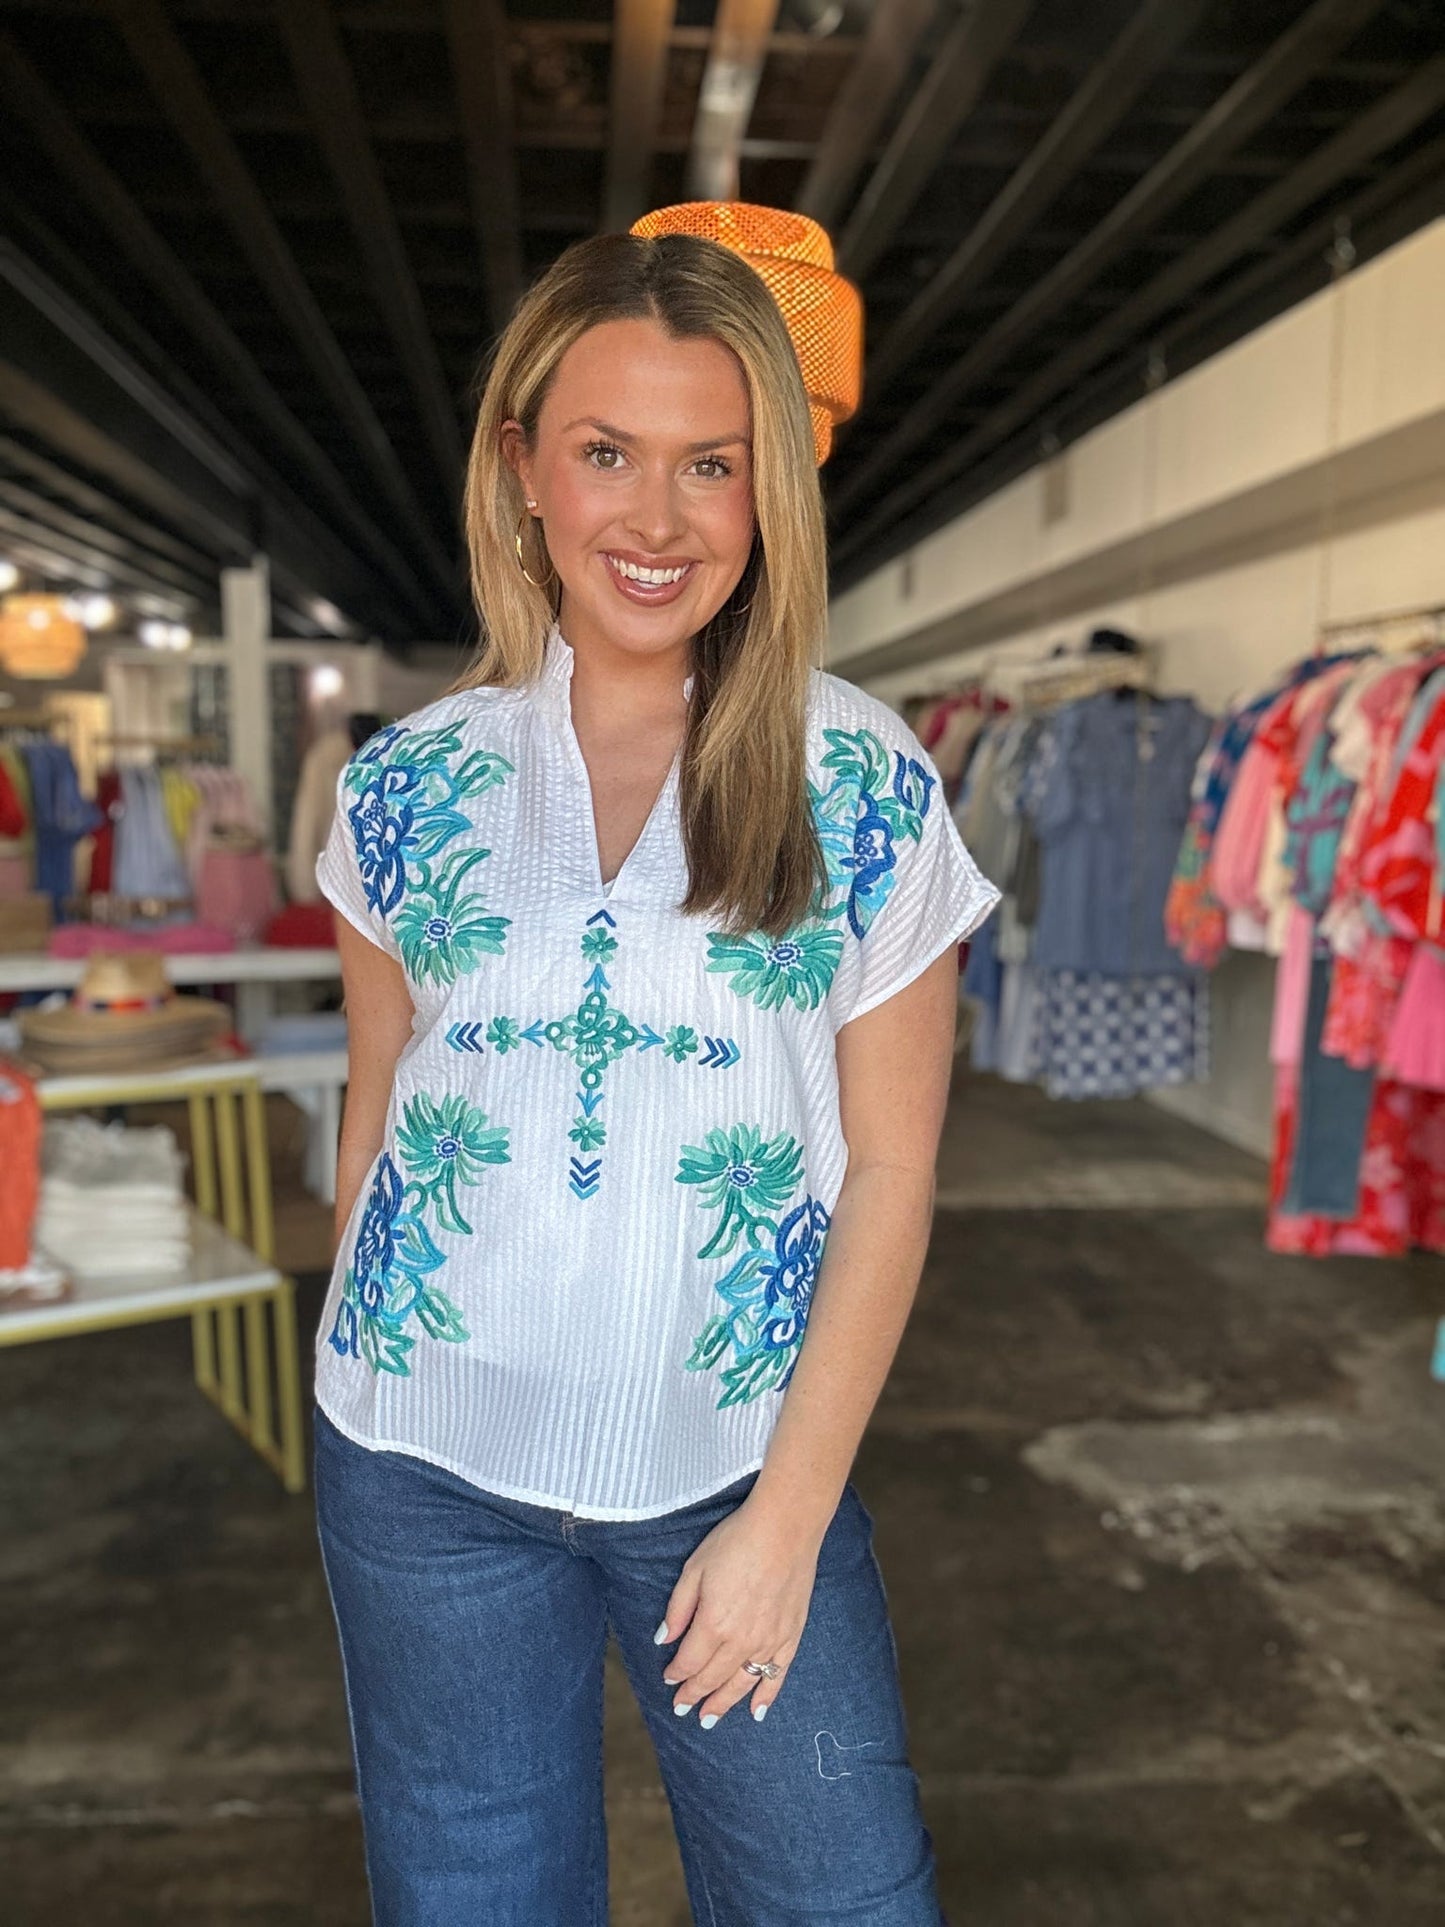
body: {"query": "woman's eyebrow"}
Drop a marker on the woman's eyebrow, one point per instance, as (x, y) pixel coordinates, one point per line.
(621, 435)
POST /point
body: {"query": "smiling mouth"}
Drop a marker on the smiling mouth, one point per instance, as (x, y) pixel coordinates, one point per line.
(649, 578)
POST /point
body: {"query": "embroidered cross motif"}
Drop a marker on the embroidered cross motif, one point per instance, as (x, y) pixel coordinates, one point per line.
(593, 1036)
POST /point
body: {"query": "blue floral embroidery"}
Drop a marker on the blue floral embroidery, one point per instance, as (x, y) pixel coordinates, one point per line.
(768, 1289)
(870, 806)
(442, 1143)
(407, 785)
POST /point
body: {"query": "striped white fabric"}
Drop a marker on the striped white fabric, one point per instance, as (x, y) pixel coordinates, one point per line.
(579, 1270)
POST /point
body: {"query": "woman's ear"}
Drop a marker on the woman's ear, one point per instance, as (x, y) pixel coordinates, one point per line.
(515, 454)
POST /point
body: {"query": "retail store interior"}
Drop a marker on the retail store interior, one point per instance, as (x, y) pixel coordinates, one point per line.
(1139, 525)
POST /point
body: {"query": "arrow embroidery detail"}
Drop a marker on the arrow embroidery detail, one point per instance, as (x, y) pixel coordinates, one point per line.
(593, 1036)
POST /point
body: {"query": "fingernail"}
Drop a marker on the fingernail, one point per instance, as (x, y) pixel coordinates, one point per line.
(760, 1712)
(708, 1721)
(659, 1638)
(686, 1707)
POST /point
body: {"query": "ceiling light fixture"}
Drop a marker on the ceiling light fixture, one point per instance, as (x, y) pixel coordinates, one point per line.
(38, 639)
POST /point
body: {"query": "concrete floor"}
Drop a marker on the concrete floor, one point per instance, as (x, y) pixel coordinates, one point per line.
(1160, 1515)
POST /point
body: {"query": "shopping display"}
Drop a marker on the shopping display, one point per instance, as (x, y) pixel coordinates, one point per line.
(125, 1016)
(1314, 836)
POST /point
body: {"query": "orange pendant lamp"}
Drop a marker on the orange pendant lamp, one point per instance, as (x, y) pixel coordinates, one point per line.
(794, 256)
(37, 637)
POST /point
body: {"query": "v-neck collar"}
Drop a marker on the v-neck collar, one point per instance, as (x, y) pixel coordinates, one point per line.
(656, 864)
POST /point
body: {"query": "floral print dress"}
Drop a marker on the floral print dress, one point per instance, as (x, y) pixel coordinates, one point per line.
(580, 1269)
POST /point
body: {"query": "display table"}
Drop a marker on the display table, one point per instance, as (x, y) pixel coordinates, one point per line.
(314, 1080)
(242, 1309)
(253, 971)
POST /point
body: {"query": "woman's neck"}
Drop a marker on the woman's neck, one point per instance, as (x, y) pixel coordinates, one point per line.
(612, 685)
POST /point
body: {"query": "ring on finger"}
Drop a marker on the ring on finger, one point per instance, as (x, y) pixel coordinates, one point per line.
(762, 1668)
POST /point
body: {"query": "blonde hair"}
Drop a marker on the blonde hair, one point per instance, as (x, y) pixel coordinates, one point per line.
(753, 855)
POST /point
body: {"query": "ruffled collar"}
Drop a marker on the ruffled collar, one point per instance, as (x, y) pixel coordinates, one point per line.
(555, 682)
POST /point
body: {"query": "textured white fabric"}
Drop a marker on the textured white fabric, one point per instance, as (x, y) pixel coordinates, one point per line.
(579, 1271)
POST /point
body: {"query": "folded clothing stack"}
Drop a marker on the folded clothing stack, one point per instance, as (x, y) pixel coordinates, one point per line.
(112, 1199)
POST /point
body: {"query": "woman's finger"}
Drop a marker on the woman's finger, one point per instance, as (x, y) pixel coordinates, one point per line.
(721, 1687)
(767, 1690)
(678, 1617)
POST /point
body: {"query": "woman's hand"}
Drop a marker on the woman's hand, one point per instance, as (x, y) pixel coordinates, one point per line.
(744, 1594)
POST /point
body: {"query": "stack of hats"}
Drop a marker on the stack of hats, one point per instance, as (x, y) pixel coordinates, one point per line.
(112, 1199)
(124, 1017)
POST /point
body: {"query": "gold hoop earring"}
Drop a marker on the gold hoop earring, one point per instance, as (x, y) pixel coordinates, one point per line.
(522, 561)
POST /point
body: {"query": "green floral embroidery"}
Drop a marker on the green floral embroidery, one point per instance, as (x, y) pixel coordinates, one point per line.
(768, 1289)
(797, 968)
(588, 1133)
(442, 934)
(742, 1174)
(871, 804)
(680, 1043)
(444, 1144)
(598, 945)
(504, 1034)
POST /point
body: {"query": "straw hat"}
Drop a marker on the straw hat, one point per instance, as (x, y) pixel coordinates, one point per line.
(124, 1016)
(794, 256)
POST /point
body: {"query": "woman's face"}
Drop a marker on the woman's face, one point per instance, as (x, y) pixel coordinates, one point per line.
(642, 468)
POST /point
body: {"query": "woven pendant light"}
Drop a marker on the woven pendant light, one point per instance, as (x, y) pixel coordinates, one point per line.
(37, 638)
(794, 256)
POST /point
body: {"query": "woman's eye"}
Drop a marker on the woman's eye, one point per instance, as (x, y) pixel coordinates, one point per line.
(717, 468)
(603, 455)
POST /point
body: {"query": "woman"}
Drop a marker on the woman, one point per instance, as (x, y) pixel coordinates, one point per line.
(648, 932)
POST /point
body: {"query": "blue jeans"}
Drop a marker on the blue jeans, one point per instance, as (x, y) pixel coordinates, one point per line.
(473, 1630)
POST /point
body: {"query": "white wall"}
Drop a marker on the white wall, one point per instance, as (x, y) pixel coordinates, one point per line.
(1295, 479)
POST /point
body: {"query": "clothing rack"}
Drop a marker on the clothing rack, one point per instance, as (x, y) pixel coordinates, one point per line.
(1070, 679)
(1401, 629)
(160, 745)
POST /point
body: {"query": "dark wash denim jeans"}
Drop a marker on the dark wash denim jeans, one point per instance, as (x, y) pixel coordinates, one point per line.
(472, 1633)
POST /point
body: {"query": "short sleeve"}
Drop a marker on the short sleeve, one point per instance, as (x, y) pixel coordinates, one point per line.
(937, 896)
(351, 870)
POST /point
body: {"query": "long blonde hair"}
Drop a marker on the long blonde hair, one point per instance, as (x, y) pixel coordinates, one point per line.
(753, 855)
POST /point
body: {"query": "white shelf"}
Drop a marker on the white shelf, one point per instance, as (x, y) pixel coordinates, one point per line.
(220, 1267)
(38, 970)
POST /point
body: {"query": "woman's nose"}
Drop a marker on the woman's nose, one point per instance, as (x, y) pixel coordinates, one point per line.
(656, 517)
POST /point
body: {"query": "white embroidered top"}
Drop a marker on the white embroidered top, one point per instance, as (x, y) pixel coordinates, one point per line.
(579, 1270)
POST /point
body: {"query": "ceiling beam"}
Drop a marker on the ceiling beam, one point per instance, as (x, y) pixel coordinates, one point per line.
(1151, 38)
(481, 71)
(1280, 72)
(67, 384)
(639, 68)
(179, 89)
(947, 95)
(725, 99)
(41, 112)
(856, 117)
(1399, 201)
(328, 88)
(128, 561)
(17, 459)
(1390, 121)
(114, 573)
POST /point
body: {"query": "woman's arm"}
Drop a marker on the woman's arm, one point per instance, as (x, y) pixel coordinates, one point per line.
(745, 1592)
(894, 1066)
(378, 1027)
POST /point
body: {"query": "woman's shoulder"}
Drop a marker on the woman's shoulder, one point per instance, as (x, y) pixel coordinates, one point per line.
(834, 703)
(453, 714)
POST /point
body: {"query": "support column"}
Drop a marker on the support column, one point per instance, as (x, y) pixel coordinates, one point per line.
(246, 630)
